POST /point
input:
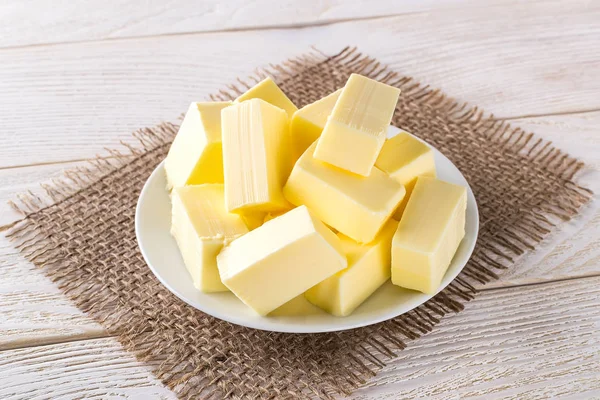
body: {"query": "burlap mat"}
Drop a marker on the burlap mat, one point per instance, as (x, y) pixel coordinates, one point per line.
(82, 235)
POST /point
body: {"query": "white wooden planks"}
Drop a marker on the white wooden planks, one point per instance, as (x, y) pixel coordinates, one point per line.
(68, 21)
(67, 102)
(94, 369)
(575, 249)
(536, 341)
(15, 181)
(32, 309)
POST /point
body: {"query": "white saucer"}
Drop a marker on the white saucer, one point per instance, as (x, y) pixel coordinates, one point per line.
(152, 225)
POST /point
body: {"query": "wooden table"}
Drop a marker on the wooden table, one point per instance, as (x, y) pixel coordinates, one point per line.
(76, 78)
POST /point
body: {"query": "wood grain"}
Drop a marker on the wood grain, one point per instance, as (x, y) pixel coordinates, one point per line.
(574, 250)
(67, 102)
(538, 341)
(14, 181)
(67, 21)
(91, 369)
(33, 311)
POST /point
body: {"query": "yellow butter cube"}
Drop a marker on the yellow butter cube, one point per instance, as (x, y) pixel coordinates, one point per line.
(268, 91)
(256, 156)
(296, 307)
(309, 121)
(368, 269)
(428, 235)
(280, 260)
(404, 158)
(201, 226)
(356, 206)
(357, 126)
(195, 155)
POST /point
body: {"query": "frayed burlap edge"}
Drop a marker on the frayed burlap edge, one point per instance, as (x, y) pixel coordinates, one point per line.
(494, 254)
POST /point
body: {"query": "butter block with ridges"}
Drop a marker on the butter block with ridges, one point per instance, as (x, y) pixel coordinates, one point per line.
(404, 158)
(256, 156)
(368, 269)
(357, 127)
(201, 226)
(280, 260)
(268, 91)
(354, 205)
(309, 121)
(195, 155)
(428, 235)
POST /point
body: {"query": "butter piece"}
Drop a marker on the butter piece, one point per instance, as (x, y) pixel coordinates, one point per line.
(368, 269)
(309, 121)
(273, 215)
(428, 234)
(356, 206)
(404, 158)
(254, 220)
(270, 216)
(256, 156)
(201, 226)
(296, 307)
(268, 91)
(195, 155)
(280, 260)
(357, 126)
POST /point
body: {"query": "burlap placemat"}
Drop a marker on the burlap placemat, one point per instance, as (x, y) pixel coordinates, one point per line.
(82, 235)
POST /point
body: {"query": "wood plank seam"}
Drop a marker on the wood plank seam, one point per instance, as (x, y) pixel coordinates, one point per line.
(551, 114)
(557, 280)
(105, 75)
(232, 30)
(295, 21)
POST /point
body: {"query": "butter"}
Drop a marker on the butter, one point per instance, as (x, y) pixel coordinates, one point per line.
(253, 219)
(357, 126)
(195, 155)
(309, 121)
(256, 156)
(368, 269)
(270, 216)
(428, 235)
(296, 307)
(404, 158)
(201, 226)
(356, 206)
(280, 260)
(268, 91)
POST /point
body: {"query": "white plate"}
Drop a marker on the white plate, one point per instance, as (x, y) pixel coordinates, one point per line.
(152, 225)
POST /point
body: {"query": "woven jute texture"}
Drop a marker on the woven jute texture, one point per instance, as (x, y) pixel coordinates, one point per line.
(81, 233)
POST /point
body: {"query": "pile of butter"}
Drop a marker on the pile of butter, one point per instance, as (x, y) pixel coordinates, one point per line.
(272, 202)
